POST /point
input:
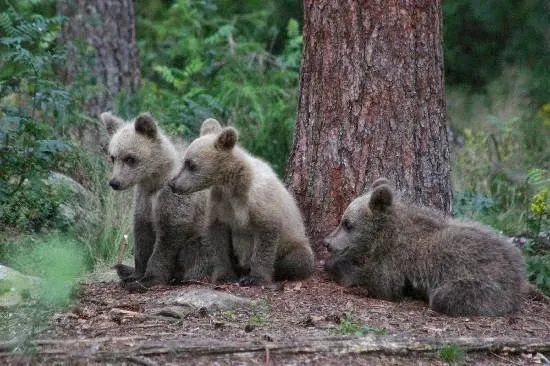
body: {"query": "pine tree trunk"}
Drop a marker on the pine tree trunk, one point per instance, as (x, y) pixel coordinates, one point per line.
(107, 28)
(371, 104)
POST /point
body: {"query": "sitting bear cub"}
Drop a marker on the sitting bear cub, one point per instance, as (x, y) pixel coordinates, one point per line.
(396, 249)
(168, 228)
(253, 222)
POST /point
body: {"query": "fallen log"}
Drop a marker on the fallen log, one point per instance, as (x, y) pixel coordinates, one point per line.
(185, 347)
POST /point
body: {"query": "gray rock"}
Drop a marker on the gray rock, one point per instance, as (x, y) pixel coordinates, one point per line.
(211, 300)
(15, 287)
(176, 312)
(82, 207)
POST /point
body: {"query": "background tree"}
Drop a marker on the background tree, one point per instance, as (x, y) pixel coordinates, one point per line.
(107, 29)
(371, 104)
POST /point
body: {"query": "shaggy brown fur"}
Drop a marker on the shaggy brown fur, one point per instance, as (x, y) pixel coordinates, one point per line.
(253, 221)
(395, 249)
(168, 228)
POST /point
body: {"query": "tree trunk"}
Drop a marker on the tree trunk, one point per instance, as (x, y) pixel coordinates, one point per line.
(371, 105)
(107, 27)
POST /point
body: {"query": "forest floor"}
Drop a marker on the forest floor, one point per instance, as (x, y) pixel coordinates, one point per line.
(307, 322)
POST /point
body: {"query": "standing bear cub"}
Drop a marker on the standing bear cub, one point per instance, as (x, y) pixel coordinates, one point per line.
(168, 228)
(395, 249)
(253, 221)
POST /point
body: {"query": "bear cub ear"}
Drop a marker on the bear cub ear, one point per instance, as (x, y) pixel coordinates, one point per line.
(381, 198)
(209, 126)
(376, 183)
(226, 139)
(146, 125)
(379, 182)
(111, 122)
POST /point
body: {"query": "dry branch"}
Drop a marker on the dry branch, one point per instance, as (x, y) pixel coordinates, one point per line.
(123, 244)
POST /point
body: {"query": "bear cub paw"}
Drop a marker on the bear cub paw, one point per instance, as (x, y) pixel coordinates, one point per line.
(251, 281)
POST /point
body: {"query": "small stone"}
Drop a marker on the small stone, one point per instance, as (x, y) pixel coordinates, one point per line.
(249, 328)
(176, 312)
(211, 300)
(202, 312)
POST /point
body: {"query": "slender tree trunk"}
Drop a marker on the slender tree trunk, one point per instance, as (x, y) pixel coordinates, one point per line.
(371, 105)
(107, 28)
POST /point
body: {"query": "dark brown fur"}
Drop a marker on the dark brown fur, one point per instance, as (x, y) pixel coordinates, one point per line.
(395, 249)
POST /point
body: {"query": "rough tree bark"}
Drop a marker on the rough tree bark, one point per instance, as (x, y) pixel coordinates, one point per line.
(371, 104)
(108, 28)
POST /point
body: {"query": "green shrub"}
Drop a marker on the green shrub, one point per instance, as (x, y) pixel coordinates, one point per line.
(31, 100)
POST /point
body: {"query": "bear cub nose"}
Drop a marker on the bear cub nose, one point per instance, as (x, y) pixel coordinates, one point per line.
(326, 244)
(172, 186)
(115, 184)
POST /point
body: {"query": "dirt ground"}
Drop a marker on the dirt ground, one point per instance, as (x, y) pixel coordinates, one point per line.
(307, 322)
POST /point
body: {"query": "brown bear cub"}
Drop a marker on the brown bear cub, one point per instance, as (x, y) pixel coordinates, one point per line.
(254, 223)
(395, 249)
(168, 228)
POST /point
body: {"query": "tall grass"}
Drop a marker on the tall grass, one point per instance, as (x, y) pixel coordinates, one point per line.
(502, 140)
(116, 218)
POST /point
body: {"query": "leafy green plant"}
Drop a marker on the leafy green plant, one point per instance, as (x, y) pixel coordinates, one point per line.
(348, 326)
(229, 315)
(452, 354)
(538, 271)
(259, 317)
(29, 148)
(540, 203)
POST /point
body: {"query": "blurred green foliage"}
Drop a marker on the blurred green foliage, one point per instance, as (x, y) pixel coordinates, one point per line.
(57, 260)
(482, 38)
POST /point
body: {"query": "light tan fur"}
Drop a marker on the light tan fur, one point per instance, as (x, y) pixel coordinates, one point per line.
(168, 228)
(253, 221)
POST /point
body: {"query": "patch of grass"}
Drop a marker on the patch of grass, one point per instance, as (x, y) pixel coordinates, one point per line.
(259, 317)
(348, 326)
(103, 243)
(452, 354)
(229, 315)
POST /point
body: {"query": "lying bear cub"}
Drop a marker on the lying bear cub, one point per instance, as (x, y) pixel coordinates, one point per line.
(396, 249)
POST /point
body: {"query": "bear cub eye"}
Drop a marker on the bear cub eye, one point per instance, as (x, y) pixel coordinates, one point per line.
(130, 160)
(112, 159)
(346, 224)
(189, 165)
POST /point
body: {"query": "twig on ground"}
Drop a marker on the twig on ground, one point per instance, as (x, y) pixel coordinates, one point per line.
(141, 361)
